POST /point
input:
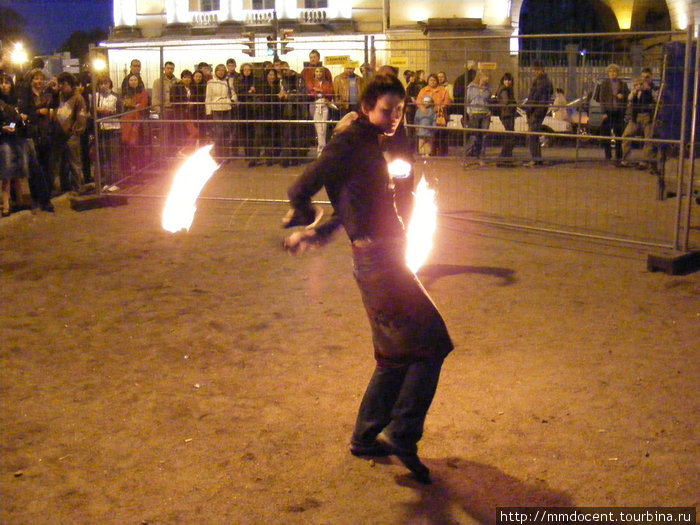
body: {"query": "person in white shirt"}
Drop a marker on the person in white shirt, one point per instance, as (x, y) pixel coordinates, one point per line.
(220, 98)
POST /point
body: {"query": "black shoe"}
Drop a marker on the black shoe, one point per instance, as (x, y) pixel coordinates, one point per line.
(252, 163)
(409, 458)
(48, 207)
(269, 162)
(372, 450)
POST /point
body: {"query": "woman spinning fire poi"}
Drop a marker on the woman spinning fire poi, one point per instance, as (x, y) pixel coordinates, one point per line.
(410, 338)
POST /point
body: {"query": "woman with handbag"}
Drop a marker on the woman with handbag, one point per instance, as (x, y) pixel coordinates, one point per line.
(441, 100)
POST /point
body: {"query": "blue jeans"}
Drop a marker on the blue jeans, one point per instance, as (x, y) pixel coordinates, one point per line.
(396, 401)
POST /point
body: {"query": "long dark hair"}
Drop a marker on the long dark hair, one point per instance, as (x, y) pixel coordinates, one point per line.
(10, 98)
(133, 91)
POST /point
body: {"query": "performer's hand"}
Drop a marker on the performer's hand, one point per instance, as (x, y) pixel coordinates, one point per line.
(344, 123)
(298, 242)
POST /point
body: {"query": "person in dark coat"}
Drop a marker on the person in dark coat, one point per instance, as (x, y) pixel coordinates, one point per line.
(409, 335)
(507, 109)
(538, 100)
(613, 101)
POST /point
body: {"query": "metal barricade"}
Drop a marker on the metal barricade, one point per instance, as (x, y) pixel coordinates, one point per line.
(570, 188)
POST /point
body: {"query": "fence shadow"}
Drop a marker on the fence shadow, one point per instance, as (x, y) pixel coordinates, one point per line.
(432, 272)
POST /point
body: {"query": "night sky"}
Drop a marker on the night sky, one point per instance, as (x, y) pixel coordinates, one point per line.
(51, 22)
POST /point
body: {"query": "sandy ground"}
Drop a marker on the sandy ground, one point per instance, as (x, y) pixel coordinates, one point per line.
(207, 377)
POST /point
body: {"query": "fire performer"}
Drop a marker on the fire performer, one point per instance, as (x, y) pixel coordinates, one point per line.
(409, 336)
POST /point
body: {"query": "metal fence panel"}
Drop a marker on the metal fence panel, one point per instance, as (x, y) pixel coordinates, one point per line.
(575, 190)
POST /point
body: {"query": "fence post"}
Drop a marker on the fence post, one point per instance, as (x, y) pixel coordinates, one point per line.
(691, 154)
(682, 142)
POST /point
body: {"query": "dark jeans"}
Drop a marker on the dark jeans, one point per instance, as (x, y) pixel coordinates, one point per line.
(614, 122)
(39, 186)
(508, 140)
(534, 124)
(396, 401)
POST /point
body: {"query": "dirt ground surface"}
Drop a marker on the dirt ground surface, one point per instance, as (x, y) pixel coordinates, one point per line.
(207, 377)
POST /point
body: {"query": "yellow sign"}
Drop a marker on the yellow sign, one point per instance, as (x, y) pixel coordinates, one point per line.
(336, 60)
(353, 63)
(487, 65)
(398, 61)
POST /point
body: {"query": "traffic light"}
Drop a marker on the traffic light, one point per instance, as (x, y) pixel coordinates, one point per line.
(287, 37)
(271, 44)
(250, 43)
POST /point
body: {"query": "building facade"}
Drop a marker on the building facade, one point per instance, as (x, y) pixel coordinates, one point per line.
(381, 31)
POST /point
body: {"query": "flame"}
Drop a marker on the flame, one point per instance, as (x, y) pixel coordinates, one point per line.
(194, 173)
(399, 168)
(422, 227)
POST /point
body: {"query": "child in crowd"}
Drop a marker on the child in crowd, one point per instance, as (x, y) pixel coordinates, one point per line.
(425, 118)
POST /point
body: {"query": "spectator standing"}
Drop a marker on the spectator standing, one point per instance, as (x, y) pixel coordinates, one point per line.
(199, 88)
(461, 83)
(442, 80)
(270, 103)
(34, 105)
(87, 139)
(70, 122)
(477, 102)
(134, 69)
(108, 104)
(161, 91)
(293, 108)
(11, 125)
(247, 91)
(162, 105)
(232, 77)
(425, 119)
(613, 101)
(538, 101)
(183, 100)
(347, 88)
(220, 99)
(412, 89)
(309, 71)
(507, 110)
(641, 111)
(205, 68)
(135, 102)
(322, 92)
(442, 100)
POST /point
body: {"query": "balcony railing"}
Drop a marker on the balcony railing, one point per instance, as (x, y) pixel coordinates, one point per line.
(313, 16)
(205, 19)
(259, 16)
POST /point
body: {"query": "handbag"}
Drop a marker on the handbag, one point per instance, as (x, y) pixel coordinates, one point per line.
(441, 120)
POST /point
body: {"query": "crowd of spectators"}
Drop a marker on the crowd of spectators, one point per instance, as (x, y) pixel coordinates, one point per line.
(255, 113)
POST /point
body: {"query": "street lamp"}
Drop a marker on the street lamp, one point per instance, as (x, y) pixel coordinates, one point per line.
(18, 55)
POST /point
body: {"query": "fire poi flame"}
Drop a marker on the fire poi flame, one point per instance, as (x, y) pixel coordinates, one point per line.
(422, 227)
(189, 180)
(423, 219)
(399, 168)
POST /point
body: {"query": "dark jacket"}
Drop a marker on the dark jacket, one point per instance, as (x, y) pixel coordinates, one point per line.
(353, 170)
(642, 102)
(607, 100)
(506, 103)
(540, 97)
